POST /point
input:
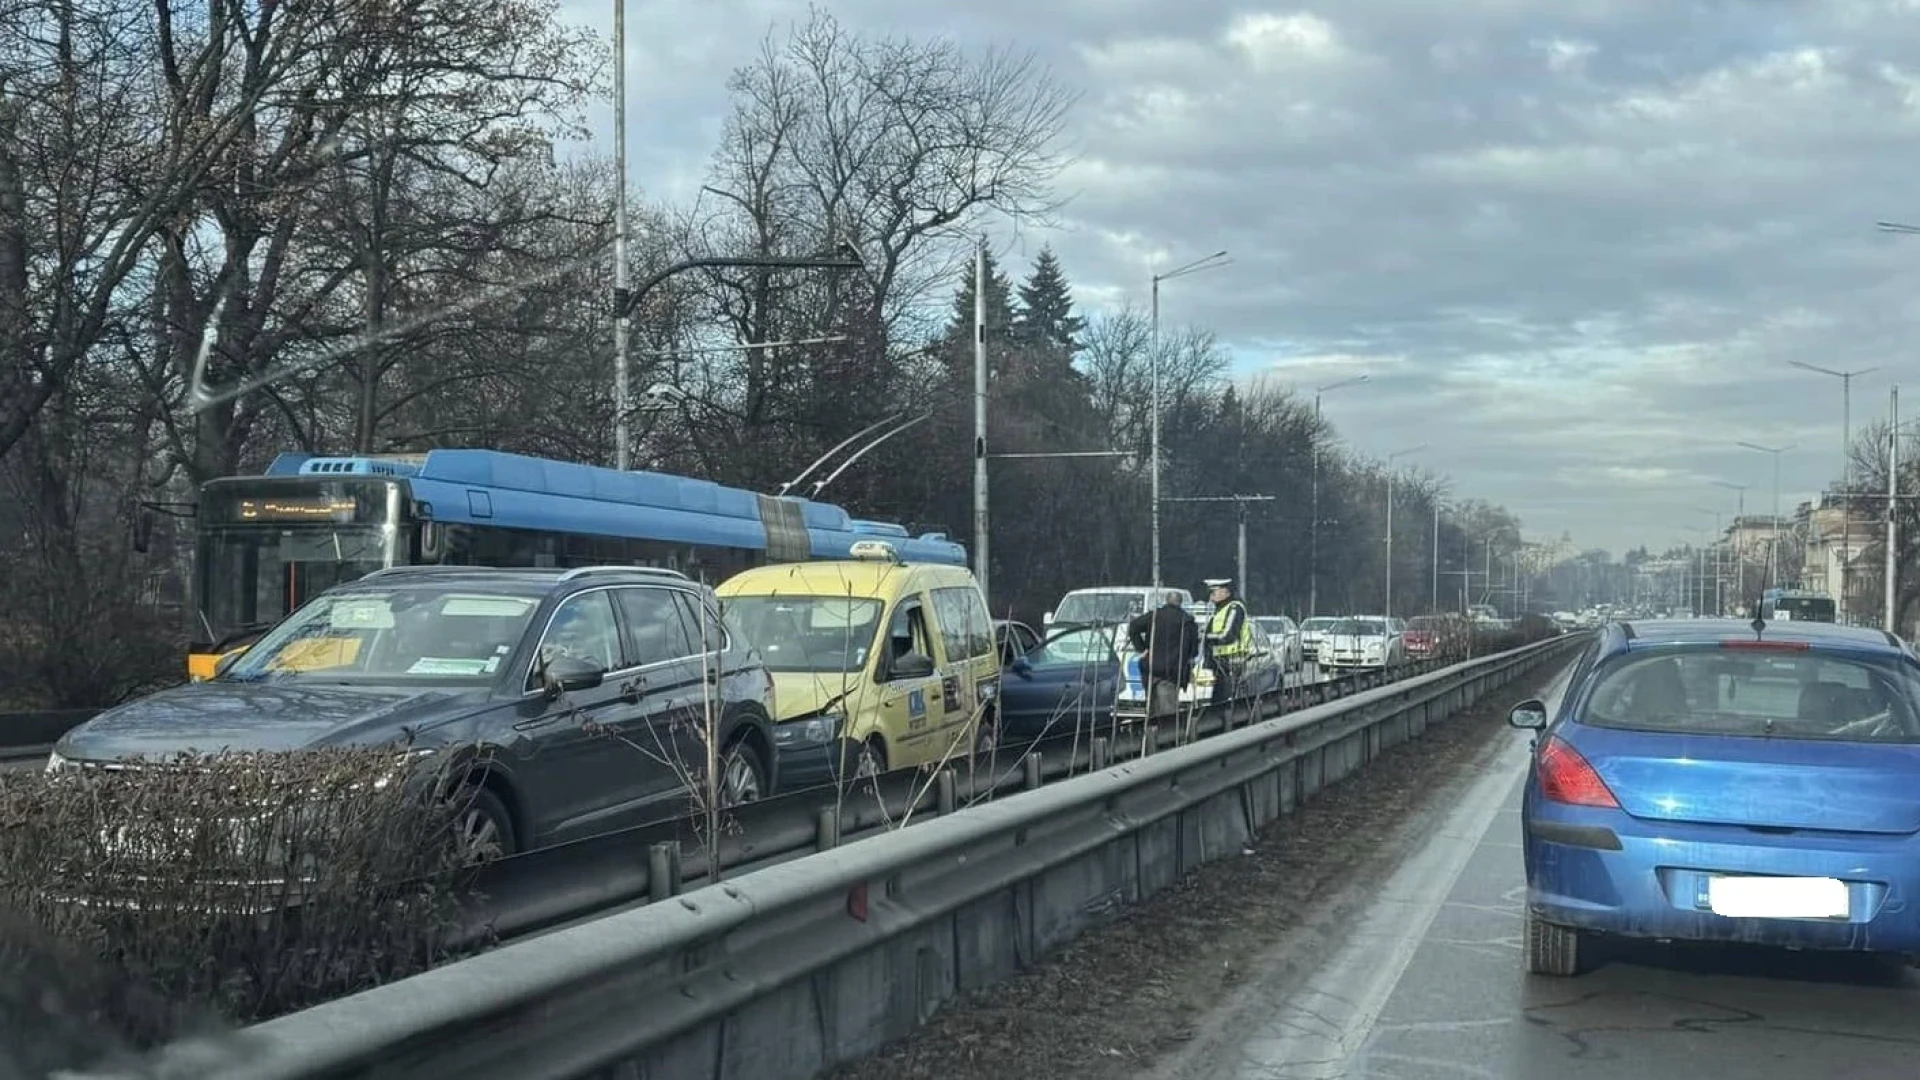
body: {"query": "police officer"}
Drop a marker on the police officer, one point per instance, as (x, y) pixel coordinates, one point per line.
(1229, 639)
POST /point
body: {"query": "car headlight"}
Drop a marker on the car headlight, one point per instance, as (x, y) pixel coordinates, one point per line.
(809, 732)
(56, 763)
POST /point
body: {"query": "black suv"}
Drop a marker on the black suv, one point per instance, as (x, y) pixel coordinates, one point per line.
(592, 692)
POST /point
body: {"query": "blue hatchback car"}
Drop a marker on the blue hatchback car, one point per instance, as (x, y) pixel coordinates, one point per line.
(1713, 781)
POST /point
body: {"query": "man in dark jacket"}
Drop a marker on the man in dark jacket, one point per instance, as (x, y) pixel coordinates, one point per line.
(1167, 640)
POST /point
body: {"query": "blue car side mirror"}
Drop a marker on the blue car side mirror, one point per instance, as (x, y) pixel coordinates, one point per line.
(1529, 715)
(1022, 667)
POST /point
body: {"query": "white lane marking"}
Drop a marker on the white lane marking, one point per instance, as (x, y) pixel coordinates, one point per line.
(1322, 1031)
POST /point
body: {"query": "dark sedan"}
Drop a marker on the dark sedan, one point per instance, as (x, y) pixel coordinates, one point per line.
(1066, 683)
(582, 696)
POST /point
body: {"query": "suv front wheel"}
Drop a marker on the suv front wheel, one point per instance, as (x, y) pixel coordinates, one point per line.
(743, 775)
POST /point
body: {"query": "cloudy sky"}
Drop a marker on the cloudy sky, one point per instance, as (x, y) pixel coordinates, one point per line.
(1573, 243)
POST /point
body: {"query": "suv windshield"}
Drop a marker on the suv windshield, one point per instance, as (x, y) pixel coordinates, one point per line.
(1321, 623)
(1706, 690)
(397, 634)
(823, 634)
(1424, 622)
(1099, 608)
(1360, 627)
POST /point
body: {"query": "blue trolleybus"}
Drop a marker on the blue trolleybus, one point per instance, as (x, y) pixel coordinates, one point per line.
(266, 544)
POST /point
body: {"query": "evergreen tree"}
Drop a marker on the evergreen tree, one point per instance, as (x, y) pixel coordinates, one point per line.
(1046, 316)
(958, 335)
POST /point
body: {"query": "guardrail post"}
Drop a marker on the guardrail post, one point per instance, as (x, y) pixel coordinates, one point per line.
(1100, 750)
(1150, 739)
(1033, 776)
(663, 871)
(944, 791)
(826, 828)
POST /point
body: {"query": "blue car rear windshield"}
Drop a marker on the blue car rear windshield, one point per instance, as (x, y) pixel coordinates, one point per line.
(1706, 690)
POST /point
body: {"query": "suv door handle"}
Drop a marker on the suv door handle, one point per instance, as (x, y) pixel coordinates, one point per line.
(630, 690)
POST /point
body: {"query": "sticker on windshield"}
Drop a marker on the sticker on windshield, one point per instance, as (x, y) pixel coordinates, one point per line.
(361, 615)
(434, 665)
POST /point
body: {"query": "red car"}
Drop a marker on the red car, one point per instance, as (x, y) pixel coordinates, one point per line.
(1424, 637)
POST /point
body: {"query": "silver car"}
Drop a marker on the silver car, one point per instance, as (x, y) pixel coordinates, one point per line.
(1286, 640)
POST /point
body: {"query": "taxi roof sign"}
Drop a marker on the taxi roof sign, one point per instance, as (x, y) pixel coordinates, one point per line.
(878, 550)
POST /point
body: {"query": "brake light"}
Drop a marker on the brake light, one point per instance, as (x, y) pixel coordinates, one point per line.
(1565, 777)
(1750, 645)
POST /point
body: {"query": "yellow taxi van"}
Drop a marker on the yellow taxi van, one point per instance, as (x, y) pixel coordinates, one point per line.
(877, 664)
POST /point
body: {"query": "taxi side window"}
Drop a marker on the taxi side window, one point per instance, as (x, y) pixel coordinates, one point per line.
(908, 631)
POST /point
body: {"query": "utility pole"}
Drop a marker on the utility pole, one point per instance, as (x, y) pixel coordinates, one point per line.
(1893, 505)
(981, 561)
(1240, 505)
(622, 323)
(1211, 262)
(1436, 556)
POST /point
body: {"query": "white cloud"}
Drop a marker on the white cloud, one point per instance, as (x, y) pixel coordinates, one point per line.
(1573, 243)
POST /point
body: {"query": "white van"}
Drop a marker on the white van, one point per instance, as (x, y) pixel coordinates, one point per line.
(1109, 605)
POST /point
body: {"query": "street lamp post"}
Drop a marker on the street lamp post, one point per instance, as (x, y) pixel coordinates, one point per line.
(1436, 556)
(1211, 262)
(1313, 523)
(1846, 471)
(1773, 553)
(1391, 458)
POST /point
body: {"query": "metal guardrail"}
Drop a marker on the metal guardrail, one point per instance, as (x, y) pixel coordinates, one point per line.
(781, 972)
(541, 889)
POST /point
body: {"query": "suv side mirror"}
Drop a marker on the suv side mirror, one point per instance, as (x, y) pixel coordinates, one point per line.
(912, 665)
(1529, 715)
(567, 673)
(1022, 667)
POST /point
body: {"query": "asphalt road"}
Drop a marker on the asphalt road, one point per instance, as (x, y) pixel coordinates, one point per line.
(1423, 981)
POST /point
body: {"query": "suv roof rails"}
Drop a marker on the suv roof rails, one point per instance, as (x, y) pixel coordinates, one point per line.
(412, 569)
(656, 571)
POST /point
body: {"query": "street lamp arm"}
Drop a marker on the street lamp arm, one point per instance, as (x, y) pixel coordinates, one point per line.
(1193, 267)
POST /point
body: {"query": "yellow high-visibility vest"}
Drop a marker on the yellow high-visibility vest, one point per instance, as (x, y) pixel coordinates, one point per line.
(1242, 644)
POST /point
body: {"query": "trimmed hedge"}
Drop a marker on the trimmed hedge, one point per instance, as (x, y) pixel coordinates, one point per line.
(243, 886)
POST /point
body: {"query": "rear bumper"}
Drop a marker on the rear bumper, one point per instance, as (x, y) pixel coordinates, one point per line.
(1606, 872)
